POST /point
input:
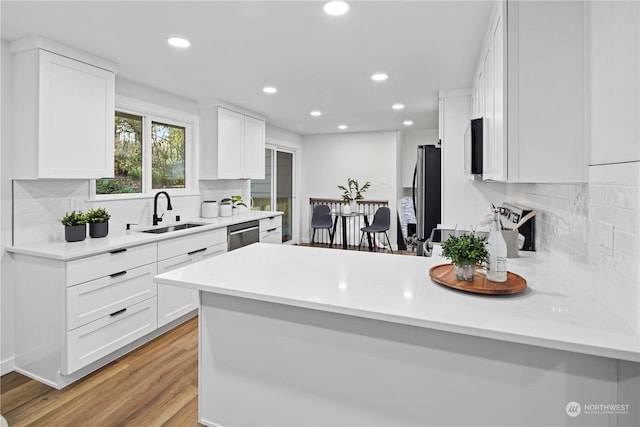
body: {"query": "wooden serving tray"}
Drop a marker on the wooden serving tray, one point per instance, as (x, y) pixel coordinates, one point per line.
(444, 275)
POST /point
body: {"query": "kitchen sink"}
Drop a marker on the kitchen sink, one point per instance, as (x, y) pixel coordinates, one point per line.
(171, 228)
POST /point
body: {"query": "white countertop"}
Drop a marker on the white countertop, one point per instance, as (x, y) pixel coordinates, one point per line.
(551, 313)
(65, 251)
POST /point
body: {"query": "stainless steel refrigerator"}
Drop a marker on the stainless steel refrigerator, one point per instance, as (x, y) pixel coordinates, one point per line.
(426, 193)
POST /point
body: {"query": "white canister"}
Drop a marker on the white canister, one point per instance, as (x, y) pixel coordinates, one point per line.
(225, 209)
(209, 209)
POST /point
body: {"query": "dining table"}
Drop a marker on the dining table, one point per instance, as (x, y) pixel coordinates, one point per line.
(344, 216)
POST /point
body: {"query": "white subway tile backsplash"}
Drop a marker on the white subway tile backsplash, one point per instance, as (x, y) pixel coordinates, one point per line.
(567, 227)
(39, 205)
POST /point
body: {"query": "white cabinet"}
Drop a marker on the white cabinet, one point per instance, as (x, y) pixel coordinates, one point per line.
(174, 302)
(231, 145)
(271, 230)
(70, 315)
(63, 112)
(529, 85)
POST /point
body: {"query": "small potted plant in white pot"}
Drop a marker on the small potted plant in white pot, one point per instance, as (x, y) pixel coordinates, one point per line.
(75, 228)
(238, 205)
(98, 220)
(465, 252)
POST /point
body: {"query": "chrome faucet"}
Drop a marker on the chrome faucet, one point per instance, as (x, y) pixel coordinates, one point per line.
(157, 219)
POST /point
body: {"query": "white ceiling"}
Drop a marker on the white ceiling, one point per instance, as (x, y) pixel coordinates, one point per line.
(316, 61)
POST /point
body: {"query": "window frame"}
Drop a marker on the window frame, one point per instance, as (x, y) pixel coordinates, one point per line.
(156, 113)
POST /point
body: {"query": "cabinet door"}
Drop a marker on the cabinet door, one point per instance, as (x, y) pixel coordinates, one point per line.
(173, 301)
(254, 136)
(230, 144)
(494, 148)
(76, 119)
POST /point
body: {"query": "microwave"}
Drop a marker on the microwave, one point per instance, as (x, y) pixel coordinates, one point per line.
(473, 147)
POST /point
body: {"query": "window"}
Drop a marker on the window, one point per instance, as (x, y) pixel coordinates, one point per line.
(127, 157)
(151, 152)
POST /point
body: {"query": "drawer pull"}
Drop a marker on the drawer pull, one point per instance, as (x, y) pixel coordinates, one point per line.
(120, 273)
(196, 251)
(273, 229)
(115, 313)
(117, 251)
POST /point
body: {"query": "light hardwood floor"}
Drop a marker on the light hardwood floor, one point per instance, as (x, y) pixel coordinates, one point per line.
(155, 385)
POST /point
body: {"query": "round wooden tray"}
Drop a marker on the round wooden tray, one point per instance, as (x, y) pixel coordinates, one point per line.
(444, 275)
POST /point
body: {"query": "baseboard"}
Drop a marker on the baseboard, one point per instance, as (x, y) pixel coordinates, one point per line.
(7, 366)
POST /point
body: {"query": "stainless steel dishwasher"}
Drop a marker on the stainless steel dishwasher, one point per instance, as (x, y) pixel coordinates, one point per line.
(242, 234)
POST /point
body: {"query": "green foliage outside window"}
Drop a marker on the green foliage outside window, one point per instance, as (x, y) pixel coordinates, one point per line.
(167, 156)
(127, 157)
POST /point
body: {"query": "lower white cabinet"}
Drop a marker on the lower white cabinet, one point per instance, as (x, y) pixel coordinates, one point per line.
(102, 337)
(174, 302)
(271, 230)
(70, 314)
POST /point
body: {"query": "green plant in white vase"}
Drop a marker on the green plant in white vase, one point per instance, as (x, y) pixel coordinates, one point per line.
(353, 192)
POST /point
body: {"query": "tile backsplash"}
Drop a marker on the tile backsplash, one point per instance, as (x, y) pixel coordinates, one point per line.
(575, 218)
(38, 206)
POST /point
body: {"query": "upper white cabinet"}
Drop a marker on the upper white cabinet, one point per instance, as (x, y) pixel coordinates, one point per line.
(64, 112)
(231, 145)
(529, 85)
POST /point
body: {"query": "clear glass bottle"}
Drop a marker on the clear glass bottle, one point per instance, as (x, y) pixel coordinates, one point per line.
(497, 247)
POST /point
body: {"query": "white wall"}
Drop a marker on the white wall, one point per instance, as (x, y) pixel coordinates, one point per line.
(463, 201)
(328, 160)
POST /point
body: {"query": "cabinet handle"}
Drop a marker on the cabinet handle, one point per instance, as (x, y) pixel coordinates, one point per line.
(196, 251)
(273, 229)
(115, 313)
(117, 251)
(120, 273)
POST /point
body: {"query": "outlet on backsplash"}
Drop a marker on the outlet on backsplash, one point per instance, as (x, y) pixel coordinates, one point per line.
(606, 233)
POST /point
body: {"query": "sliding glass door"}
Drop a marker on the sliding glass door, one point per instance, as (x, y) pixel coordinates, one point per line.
(276, 191)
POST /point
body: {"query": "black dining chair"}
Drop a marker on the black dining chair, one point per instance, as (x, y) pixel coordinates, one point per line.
(321, 219)
(381, 223)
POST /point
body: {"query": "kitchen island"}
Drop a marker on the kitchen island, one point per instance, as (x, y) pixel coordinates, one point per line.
(307, 336)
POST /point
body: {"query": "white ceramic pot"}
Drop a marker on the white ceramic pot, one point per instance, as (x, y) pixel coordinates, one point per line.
(225, 210)
(210, 209)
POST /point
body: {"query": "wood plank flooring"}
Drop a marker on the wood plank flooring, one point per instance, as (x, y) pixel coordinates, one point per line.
(155, 385)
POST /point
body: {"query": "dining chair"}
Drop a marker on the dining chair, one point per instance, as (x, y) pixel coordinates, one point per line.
(321, 219)
(381, 224)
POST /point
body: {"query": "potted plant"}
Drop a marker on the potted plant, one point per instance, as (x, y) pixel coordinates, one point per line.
(75, 229)
(98, 220)
(465, 252)
(353, 192)
(236, 202)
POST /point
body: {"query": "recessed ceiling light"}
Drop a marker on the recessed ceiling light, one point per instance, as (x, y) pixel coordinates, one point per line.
(316, 113)
(342, 127)
(407, 122)
(336, 8)
(397, 106)
(269, 89)
(378, 77)
(178, 42)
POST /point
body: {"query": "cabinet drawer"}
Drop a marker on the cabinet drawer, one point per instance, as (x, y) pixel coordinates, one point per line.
(271, 223)
(272, 236)
(97, 339)
(191, 243)
(94, 267)
(101, 297)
